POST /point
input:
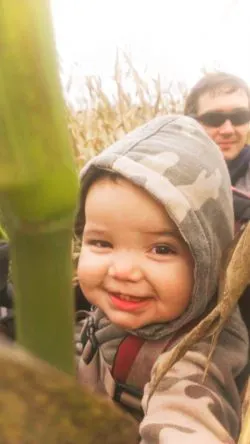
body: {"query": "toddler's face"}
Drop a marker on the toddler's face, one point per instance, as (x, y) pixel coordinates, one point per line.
(133, 265)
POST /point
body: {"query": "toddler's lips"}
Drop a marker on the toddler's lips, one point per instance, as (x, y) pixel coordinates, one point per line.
(128, 303)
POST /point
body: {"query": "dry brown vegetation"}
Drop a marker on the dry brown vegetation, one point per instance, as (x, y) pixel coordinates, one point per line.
(105, 119)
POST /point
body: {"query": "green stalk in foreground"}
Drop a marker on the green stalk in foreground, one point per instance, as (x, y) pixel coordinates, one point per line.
(38, 181)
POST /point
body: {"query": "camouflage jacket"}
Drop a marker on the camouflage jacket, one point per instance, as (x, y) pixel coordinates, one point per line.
(183, 408)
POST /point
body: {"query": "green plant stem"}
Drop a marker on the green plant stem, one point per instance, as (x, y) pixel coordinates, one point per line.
(38, 181)
(42, 267)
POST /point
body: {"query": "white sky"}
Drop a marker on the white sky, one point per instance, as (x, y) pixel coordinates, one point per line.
(175, 38)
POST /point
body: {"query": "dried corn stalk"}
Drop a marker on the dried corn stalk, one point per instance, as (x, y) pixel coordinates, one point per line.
(103, 120)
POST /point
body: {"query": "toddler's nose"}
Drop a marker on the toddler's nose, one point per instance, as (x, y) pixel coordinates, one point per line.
(125, 268)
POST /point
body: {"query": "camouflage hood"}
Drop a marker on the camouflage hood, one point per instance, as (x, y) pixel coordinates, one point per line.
(178, 164)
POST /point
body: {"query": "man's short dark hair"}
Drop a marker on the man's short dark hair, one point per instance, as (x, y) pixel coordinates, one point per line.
(215, 83)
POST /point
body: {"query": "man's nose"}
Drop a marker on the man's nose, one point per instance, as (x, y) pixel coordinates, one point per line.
(227, 127)
(125, 266)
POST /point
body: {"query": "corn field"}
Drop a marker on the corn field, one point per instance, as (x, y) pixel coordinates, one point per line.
(105, 119)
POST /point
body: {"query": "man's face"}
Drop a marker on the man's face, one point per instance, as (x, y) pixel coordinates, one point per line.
(230, 137)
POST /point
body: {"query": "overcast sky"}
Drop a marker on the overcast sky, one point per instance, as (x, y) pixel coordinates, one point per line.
(175, 38)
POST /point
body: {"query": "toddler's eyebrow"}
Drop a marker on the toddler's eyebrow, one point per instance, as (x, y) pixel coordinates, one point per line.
(174, 232)
(94, 231)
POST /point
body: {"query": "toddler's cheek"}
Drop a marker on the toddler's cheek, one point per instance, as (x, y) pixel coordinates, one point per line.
(90, 273)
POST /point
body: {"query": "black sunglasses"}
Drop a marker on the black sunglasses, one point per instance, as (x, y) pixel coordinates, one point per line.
(217, 118)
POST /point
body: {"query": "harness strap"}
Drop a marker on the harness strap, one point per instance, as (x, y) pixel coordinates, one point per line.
(128, 396)
(134, 360)
(125, 357)
(131, 370)
(133, 363)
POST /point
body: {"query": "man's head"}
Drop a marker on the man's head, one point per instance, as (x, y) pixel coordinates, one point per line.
(221, 103)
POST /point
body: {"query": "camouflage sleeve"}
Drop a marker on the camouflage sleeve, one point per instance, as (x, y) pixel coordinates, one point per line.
(185, 408)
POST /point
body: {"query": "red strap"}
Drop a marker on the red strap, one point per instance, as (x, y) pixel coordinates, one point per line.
(125, 356)
(131, 345)
(128, 351)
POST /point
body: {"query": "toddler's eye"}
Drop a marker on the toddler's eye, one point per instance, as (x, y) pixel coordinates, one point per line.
(162, 249)
(99, 243)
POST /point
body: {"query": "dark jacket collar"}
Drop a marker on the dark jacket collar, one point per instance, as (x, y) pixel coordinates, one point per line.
(239, 166)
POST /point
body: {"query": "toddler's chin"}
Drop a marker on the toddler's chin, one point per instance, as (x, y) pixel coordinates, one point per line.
(127, 325)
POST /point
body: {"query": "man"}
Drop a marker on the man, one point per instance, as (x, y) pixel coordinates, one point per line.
(221, 103)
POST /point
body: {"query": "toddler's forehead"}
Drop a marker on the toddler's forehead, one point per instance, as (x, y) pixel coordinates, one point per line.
(124, 202)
